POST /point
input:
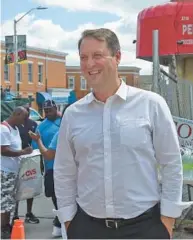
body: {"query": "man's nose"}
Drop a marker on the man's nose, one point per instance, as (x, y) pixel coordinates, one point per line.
(90, 62)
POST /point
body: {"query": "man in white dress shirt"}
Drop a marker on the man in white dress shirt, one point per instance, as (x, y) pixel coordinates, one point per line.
(111, 143)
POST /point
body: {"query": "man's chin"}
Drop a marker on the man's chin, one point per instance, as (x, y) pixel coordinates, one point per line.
(94, 81)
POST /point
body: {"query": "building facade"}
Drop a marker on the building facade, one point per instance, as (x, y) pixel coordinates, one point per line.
(76, 81)
(44, 70)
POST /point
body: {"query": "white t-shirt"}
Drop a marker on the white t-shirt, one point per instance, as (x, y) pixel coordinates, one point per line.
(10, 137)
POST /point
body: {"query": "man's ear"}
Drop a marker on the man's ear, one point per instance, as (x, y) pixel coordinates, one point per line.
(118, 57)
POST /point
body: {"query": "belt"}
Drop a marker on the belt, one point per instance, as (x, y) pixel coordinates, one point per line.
(116, 223)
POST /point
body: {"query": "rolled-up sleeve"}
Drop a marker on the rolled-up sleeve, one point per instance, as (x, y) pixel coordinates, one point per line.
(167, 153)
(65, 173)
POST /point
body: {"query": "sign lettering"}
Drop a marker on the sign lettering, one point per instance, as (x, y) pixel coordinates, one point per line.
(184, 129)
(187, 29)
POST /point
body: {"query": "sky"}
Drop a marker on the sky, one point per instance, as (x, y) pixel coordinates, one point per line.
(59, 27)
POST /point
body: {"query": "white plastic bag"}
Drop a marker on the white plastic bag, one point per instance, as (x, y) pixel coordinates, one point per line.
(29, 183)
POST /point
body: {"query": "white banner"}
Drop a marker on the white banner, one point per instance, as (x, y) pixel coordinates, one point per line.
(185, 131)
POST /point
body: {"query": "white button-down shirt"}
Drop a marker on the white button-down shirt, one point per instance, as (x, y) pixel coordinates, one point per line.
(108, 155)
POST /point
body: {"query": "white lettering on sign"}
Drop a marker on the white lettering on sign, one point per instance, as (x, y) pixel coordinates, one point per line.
(187, 29)
(184, 129)
(188, 42)
(185, 18)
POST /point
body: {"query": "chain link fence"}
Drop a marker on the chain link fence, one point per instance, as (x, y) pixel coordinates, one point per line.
(178, 95)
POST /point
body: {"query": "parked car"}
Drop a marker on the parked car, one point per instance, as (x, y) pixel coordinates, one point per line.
(34, 115)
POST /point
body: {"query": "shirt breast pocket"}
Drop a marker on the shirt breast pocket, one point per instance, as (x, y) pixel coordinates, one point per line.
(133, 132)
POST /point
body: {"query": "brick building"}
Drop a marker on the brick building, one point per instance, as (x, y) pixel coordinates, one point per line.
(45, 75)
(43, 72)
(77, 82)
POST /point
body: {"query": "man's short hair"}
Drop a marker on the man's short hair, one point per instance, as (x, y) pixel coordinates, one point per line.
(102, 34)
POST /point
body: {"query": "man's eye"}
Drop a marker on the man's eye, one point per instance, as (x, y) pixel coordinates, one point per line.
(97, 55)
(83, 58)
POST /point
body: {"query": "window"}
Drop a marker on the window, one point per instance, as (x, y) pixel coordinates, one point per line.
(71, 82)
(124, 79)
(6, 72)
(19, 72)
(83, 83)
(40, 73)
(30, 72)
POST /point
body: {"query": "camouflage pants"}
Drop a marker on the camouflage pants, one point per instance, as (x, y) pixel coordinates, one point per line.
(8, 182)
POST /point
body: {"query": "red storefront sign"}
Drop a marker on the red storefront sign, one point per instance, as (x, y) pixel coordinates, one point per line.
(174, 21)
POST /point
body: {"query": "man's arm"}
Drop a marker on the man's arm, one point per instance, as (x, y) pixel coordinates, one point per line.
(167, 152)
(8, 152)
(48, 154)
(65, 174)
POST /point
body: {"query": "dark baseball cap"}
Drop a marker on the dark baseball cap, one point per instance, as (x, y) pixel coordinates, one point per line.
(49, 104)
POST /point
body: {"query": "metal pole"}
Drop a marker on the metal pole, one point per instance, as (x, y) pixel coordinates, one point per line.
(173, 70)
(15, 46)
(46, 73)
(156, 66)
(16, 58)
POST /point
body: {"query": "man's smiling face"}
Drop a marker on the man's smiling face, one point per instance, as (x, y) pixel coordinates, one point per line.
(96, 61)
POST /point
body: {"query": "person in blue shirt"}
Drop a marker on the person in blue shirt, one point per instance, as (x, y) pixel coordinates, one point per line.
(45, 139)
(47, 130)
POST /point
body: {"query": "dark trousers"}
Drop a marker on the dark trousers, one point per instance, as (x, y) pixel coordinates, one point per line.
(146, 226)
(49, 192)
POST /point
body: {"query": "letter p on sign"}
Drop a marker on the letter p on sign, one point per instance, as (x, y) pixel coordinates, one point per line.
(187, 28)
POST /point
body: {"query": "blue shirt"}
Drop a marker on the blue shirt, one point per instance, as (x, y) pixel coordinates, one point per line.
(47, 130)
(53, 143)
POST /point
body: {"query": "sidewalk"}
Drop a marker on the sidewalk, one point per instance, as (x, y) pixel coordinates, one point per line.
(42, 208)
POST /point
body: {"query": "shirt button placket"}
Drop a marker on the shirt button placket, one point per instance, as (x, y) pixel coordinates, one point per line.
(107, 159)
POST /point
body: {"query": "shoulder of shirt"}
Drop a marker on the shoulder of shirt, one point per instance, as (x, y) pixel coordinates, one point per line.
(81, 102)
(151, 96)
(43, 123)
(5, 129)
(75, 107)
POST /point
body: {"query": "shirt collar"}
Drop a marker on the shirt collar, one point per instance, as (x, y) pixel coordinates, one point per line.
(121, 92)
(90, 97)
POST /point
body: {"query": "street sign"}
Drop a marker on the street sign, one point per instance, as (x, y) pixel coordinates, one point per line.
(10, 49)
(22, 48)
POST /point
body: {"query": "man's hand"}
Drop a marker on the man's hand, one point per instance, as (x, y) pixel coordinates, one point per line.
(34, 136)
(168, 223)
(27, 150)
(67, 225)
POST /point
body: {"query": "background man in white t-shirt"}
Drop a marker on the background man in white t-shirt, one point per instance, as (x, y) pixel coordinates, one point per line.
(11, 150)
